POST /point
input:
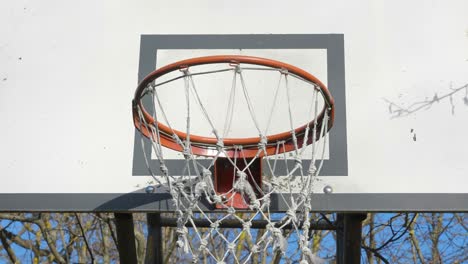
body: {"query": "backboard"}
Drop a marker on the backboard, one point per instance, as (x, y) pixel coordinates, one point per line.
(400, 89)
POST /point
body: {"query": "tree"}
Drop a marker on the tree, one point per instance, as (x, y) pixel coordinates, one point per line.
(91, 238)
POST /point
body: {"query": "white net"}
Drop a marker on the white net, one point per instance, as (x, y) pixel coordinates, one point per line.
(207, 102)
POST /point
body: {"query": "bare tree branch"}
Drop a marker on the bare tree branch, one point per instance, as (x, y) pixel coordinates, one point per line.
(400, 111)
(376, 253)
(83, 234)
(42, 226)
(7, 247)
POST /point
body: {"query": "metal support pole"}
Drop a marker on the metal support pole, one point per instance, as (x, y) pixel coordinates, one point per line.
(154, 244)
(348, 239)
(125, 238)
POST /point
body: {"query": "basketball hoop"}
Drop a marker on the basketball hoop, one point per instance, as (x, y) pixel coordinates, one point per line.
(206, 146)
(242, 173)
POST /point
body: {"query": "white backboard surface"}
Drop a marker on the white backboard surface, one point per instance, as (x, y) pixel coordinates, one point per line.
(397, 69)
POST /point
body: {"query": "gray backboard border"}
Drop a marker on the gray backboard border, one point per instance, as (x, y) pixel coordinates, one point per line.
(142, 202)
(337, 165)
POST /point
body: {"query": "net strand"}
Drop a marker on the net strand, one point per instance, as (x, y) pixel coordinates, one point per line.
(249, 103)
(230, 108)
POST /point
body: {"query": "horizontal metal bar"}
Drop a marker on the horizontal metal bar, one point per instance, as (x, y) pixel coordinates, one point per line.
(256, 224)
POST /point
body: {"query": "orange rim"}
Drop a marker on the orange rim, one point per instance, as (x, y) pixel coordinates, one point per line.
(206, 146)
